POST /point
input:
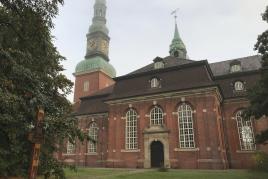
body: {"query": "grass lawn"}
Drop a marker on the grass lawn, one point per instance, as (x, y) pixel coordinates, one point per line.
(87, 173)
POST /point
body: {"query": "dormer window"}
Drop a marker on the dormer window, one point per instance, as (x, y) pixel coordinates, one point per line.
(239, 86)
(155, 83)
(235, 66)
(158, 63)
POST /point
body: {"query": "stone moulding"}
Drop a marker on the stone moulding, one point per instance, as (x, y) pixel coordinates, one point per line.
(186, 150)
(130, 151)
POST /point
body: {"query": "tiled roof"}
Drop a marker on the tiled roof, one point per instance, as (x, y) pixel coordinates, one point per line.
(250, 63)
(94, 104)
(178, 74)
(169, 61)
(174, 78)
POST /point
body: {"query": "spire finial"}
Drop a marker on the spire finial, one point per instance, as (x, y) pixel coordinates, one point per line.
(177, 47)
(175, 14)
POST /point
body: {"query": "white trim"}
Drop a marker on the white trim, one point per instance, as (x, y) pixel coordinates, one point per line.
(130, 151)
(93, 153)
(197, 92)
(131, 130)
(186, 126)
(246, 151)
(245, 132)
(93, 133)
(186, 150)
(156, 116)
(65, 154)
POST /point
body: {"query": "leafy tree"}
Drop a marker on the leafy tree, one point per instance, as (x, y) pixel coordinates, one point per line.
(258, 96)
(31, 76)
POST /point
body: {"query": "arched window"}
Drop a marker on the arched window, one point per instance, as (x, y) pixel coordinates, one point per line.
(156, 116)
(93, 135)
(186, 127)
(176, 54)
(245, 131)
(131, 130)
(155, 83)
(239, 86)
(70, 148)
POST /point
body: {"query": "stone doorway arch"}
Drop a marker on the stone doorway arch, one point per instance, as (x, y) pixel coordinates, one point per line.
(156, 134)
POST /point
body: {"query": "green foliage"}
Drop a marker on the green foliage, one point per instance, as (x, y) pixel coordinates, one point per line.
(258, 96)
(31, 76)
(105, 173)
(163, 169)
(261, 160)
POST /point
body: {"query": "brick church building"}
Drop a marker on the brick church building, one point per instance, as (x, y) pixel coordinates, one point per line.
(175, 112)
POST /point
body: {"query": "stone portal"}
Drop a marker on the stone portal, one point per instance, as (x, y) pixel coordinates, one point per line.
(156, 143)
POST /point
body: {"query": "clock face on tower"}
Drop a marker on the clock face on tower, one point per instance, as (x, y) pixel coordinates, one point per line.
(104, 47)
(92, 45)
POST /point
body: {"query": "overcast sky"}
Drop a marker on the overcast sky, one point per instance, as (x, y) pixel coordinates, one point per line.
(140, 30)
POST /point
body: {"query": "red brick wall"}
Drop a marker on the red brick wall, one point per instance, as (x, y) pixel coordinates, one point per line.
(97, 80)
(215, 128)
(207, 136)
(80, 156)
(238, 158)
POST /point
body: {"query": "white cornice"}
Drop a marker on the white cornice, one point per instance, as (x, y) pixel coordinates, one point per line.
(186, 93)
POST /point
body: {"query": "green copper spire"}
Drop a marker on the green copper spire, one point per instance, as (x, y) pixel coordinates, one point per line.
(97, 53)
(99, 20)
(97, 37)
(177, 47)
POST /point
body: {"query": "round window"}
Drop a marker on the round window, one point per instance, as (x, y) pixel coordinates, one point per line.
(239, 86)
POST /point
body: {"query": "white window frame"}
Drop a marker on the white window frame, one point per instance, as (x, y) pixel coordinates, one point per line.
(93, 134)
(156, 116)
(186, 126)
(235, 68)
(131, 132)
(86, 86)
(155, 83)
(158, 65)
(239, 86)
(70, 148)
(245, 132)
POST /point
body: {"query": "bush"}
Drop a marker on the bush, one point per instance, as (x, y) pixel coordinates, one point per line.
(261, 160)
(163, 168)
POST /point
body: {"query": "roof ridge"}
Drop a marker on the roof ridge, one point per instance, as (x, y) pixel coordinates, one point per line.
(101, 92)
(236, 59)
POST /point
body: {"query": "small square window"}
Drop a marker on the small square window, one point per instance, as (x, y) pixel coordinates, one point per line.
(235, 68)
(158, 65)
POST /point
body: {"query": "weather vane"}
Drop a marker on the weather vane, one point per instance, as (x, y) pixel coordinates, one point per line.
(175, 13)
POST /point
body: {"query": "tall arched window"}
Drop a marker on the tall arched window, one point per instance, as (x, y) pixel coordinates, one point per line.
(131, 130)
(70, 148)
(186, 127)
(245, 131)
(156, 116)
(93, 135)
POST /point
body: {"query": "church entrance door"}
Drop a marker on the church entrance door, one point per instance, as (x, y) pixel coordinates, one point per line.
(157, 154)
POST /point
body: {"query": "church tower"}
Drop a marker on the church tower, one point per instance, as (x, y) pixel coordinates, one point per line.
(177, 47)
(95, 72)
